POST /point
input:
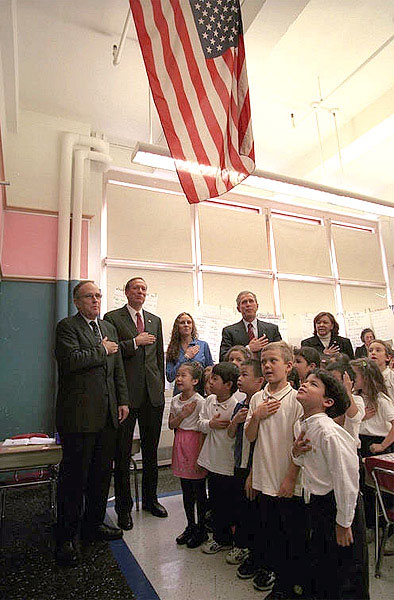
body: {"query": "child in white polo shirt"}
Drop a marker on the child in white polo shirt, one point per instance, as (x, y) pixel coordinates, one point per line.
(270, 421)
(217, 453)
(337, 559)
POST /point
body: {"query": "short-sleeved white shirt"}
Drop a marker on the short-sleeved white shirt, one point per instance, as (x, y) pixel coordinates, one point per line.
(190, 422)
(217, 453)
(272, 451)
(380, 423)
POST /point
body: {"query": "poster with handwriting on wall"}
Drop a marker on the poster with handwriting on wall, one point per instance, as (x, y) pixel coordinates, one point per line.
(119, 299)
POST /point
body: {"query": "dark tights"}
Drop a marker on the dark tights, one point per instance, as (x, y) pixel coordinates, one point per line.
(194, 493)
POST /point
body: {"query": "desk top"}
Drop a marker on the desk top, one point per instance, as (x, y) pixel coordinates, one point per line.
(25, 457)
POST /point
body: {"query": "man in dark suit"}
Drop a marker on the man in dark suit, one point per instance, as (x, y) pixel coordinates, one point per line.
(250, 331)
(141, 342)
(92, 400)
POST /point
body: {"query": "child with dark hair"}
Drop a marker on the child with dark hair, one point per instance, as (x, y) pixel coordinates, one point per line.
(217, 453)
(337, 560)
(183, 418)
(249, 382)
(351, 419)
(306, 359)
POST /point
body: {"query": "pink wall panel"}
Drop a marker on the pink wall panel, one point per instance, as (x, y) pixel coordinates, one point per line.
(30, 245)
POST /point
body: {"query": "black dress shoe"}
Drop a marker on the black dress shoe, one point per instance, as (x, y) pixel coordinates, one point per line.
(155, 508)
(125, 520)
(185, 535)
(66, 554)
(103, 533)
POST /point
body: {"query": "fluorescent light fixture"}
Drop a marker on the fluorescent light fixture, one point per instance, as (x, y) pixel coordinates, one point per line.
(158, 157)
(144, 187)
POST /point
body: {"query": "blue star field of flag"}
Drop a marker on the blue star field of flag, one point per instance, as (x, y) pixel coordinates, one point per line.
(218, 24)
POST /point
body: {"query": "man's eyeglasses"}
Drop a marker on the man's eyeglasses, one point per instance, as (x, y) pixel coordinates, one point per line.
(91, 296)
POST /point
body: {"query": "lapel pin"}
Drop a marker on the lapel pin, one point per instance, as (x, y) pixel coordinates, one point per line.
(149, 321)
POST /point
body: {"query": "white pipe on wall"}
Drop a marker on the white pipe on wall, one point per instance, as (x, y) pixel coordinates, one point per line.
(70, 141)
(76, 230)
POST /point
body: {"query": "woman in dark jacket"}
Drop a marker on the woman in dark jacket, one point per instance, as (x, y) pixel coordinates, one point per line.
(367, 336)
(326, 339)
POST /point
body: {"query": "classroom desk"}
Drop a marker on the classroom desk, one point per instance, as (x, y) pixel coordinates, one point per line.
(382, 481)
(19, 459)
(34, 456)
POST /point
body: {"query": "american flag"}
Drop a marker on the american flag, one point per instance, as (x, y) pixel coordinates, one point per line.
(195, 60)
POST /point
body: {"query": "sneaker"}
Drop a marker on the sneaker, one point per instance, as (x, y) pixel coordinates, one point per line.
(236, 556)
(211, 547)
(185, 536)
(248, 568)
(198, 538)
(264, 580)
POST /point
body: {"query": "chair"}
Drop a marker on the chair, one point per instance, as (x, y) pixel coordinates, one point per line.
(383, 478)
(135, 448)
(34, 469)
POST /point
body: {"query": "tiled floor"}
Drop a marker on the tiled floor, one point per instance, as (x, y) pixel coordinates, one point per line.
(177, 572)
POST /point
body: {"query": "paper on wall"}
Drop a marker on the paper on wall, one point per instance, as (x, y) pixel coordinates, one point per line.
(119, 299)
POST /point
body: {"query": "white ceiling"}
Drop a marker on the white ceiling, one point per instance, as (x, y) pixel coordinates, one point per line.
(64, 49)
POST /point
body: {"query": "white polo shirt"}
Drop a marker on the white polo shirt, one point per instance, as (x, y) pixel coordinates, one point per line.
(272, 451)
(217, 453)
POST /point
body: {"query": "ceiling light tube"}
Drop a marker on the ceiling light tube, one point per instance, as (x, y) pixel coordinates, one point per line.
(159, 157)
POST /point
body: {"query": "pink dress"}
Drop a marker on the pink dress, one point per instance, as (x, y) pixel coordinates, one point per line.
(187, 441)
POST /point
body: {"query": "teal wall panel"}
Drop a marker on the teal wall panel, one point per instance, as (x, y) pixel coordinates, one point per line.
(27, 363)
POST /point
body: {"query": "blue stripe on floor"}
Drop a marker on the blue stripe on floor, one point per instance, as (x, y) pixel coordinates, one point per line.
(134, 575)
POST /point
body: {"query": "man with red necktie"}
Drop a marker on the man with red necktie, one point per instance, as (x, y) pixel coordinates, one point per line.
(250, 331)
(141, 344)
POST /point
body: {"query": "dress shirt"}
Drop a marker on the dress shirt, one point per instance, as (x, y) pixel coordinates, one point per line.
(203, 357)
(133, 315)
(190, 423)
(332, 464)
(272, 451)
(352, 424)
(88, 321)
(254, 325)
(217, 453)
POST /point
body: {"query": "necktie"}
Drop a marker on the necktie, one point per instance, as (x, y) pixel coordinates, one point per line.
(140, 323)
(250, 332)
(96, 330)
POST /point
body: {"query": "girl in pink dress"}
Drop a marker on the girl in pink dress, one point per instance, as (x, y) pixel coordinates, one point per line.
(183, 418)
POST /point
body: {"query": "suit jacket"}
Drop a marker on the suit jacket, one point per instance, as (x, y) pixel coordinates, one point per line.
(361, 351)
(236, 334)
(144, 364)
(344, 344)
(90, 381)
